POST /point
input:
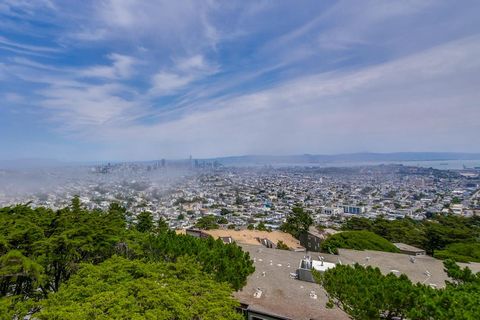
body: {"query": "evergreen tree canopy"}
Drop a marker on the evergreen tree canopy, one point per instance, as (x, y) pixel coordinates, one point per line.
(41, 250)
(124, 289)
(358, 240)
(298, 222)
(365, 293)
(208, 222)
(443, 236)
(145, 222)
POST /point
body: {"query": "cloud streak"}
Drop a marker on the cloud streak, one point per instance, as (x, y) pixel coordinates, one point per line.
(168, 79)
(395, 102)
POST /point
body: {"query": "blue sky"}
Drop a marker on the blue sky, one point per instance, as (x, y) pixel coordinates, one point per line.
(134, 80)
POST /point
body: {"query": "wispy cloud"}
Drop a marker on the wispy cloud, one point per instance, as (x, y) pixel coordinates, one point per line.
(5, 43)
(385, 106)
(210, 78)
(184, 72)
(29, 7)
(82, 108)
(122, 67)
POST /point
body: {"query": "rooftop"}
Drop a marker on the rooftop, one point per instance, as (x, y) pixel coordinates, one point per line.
(407, 247)
(323, 233)
(250, 236)
(273, 289)
(322, 265)
(423, 269)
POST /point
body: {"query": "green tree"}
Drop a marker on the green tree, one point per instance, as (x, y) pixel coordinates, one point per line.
(434, 235)
(456, 200)
(222, 220)
(207, 222)
(460, 252)
(365, 293)
(118, 215)
(458, 300)
(60, 257)
(261, 226)
(144, 221)
(162, 225)
(226, 262)
(445, 230)
(358, 240)
(298, 222)
(224, 211)
(458, 275)
(124, 289)
(76, 205)
(357, 223)
(41, 249)
(19, 275)
(238, 200)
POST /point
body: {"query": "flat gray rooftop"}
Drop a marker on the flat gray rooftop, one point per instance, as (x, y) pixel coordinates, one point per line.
(407, 247)
(284, 296)
(425, 269)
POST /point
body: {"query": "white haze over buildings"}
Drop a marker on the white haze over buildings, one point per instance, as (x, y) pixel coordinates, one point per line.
(54, 185)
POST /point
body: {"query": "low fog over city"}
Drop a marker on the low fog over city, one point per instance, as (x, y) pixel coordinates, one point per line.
(249, 190)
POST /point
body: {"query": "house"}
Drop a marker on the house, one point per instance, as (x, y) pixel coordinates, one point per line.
(227, 239)
(197, 233)
(312, 239)
(307, 264)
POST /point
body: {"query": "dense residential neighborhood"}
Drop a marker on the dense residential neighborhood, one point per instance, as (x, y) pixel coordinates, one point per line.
(184, 192)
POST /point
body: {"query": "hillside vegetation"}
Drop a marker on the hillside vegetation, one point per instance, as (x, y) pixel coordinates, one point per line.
(442, 236)
(364, 293)
(460, 252)
(357, 240)
(52, 261)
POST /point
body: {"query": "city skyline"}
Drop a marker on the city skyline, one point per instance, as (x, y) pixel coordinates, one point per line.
(123, 80)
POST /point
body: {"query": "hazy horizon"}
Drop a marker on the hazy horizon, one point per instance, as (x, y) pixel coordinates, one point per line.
(325, 158)
(131, 81)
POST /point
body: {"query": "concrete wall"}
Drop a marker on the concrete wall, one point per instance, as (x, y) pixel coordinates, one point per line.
(305, 275)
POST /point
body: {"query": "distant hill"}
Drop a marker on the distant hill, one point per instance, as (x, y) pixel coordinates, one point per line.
(247, 160)
(349, 157)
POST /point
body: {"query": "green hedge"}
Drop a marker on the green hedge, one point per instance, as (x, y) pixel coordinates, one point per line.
(460, 252)
(358, 240)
